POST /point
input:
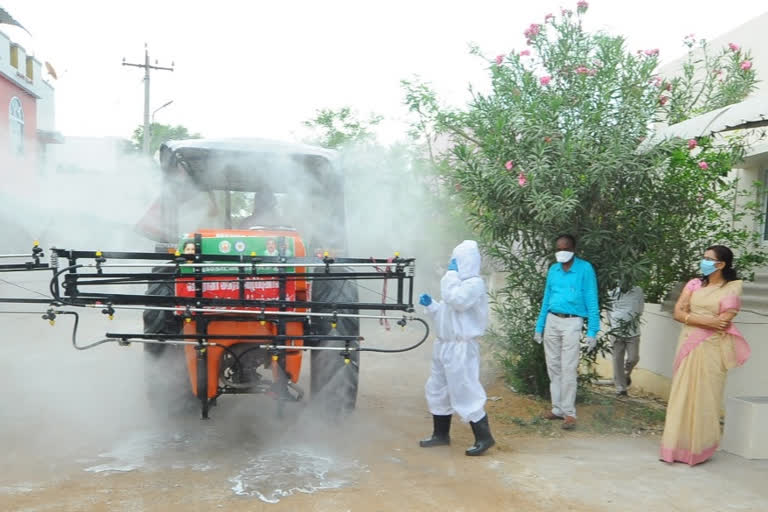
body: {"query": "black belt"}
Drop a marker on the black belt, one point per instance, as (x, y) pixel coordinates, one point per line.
(564, 315)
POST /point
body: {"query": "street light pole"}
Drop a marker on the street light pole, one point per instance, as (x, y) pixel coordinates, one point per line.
(147, 67)
(158, 108)
(153, 116)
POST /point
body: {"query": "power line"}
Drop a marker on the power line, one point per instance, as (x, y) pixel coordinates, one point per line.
(23, 287)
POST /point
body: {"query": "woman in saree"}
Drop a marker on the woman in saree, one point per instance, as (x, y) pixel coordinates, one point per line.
(708, 347)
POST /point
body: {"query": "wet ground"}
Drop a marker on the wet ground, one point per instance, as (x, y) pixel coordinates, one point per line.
(76, 434)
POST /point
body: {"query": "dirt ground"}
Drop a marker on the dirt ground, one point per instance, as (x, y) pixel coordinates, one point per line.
(77, 435)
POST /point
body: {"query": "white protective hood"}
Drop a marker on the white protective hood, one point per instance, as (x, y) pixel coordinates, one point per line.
(467, 256)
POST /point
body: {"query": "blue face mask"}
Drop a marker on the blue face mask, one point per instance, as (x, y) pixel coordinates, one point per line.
(707, 267)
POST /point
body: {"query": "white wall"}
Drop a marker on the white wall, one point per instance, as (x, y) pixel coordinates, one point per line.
(46, 108)
(751, 36)
(658, 346)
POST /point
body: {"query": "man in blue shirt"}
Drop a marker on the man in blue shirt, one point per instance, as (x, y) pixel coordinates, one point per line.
(570, 297)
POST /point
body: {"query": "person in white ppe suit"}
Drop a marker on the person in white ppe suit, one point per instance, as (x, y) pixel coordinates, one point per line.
(459, 320)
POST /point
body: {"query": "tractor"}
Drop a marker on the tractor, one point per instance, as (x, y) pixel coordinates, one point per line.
(250, 271)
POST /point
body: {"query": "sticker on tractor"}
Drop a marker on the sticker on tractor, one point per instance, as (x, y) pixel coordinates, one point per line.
(240, 246)
(225, 246)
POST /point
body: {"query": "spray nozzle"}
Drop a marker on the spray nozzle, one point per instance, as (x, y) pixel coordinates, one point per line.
(99, 260)
(334, 320)
(187, 315)
(50, 316)
(179, 259)
(37, 251)
(262, 317)
(346, 354)
(109, 311)
(327, 260)
(402, 322)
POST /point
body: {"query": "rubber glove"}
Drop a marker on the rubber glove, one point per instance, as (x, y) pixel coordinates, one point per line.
(425, 299)
(453, 265)
(538, 337)
(591, 343)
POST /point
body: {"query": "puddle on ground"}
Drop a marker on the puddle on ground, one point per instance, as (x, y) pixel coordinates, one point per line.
(146, 450)
(275, 475)
(264, 473)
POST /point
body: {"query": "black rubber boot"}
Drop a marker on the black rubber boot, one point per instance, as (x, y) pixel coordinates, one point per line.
(483, 438)
(440, 432)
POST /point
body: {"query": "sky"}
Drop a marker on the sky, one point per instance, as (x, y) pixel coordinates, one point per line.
(260, 69)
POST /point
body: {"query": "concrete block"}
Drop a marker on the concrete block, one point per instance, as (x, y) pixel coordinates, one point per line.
(746, 425)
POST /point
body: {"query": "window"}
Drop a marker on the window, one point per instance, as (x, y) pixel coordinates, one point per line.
(16, 122)
(30, 68)
(15, 56)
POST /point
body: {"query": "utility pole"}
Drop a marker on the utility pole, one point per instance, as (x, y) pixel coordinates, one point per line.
(147, 67)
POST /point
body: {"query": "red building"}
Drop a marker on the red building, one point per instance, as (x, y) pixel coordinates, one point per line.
(27, 121)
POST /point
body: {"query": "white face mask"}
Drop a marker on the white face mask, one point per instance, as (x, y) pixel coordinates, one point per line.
(563, 256)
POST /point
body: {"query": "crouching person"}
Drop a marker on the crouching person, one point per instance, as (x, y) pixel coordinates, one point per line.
(459, 320)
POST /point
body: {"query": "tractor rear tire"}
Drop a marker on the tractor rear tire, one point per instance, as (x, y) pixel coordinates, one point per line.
(166, 377)
(333, 382)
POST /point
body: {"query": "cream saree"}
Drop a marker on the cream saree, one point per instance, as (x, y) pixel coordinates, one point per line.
(692, 426)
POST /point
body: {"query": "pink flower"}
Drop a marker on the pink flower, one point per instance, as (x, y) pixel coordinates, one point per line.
(663, 100)
(566, 12)
(746, 65)
(521, 179)
(525, 53)
(733, 46)
(700, 198)
(509, 165)
(545, 79)
(548, 17)
(499, 59)
(547, 139)
(582, 70)
(668, 87)
(532, 31)
(692, 143)
(582, 5)
(703, 165)
(652, 53)
(656, 81)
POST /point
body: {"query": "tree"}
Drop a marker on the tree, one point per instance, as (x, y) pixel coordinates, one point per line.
(160, 133)
(555, 146)
(337, 128)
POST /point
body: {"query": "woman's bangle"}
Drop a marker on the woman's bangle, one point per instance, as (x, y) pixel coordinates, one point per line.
(686, 318)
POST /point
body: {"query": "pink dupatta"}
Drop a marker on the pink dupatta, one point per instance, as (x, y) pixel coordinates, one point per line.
(699, 334)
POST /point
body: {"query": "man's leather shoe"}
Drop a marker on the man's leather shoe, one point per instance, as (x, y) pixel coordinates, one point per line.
(569, 423)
